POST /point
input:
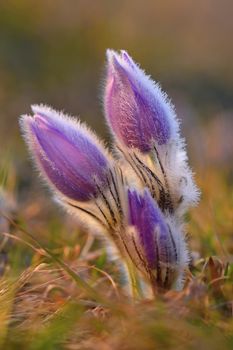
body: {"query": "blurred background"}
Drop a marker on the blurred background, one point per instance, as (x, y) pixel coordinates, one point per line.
(53, 52)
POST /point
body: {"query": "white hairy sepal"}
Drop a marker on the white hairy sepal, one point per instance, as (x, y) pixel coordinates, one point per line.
(183, 190)
(169, 164)
(104, 214)
(178, 231)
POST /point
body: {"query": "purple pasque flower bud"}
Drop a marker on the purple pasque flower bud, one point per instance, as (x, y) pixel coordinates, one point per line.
(159, 251)
(66, 152)
(138, 112)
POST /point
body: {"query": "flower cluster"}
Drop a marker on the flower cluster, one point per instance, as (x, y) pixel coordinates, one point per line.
(136, 196)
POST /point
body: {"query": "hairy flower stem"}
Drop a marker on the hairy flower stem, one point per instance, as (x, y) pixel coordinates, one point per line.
(135, 287)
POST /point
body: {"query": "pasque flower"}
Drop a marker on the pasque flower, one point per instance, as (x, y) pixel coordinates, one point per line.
(138, 112)
(146, 132)
(67, 153)
(135, 197)
(162, 258)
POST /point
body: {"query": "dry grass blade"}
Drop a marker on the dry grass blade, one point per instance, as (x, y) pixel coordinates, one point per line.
(80, 282)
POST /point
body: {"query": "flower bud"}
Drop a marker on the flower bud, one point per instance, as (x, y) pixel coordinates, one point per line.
(66, 152)
(138, 112)
(160, 252)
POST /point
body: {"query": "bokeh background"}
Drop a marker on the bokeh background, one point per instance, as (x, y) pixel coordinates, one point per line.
(53, 52)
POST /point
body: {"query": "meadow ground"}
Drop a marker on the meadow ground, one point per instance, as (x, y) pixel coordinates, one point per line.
(58, 290)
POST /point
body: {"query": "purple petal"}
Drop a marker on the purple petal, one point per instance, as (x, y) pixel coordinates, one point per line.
(67, 154)
(138, 112)
(153, 232)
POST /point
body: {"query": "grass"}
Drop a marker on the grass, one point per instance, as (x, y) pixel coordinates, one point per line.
(58, 290)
